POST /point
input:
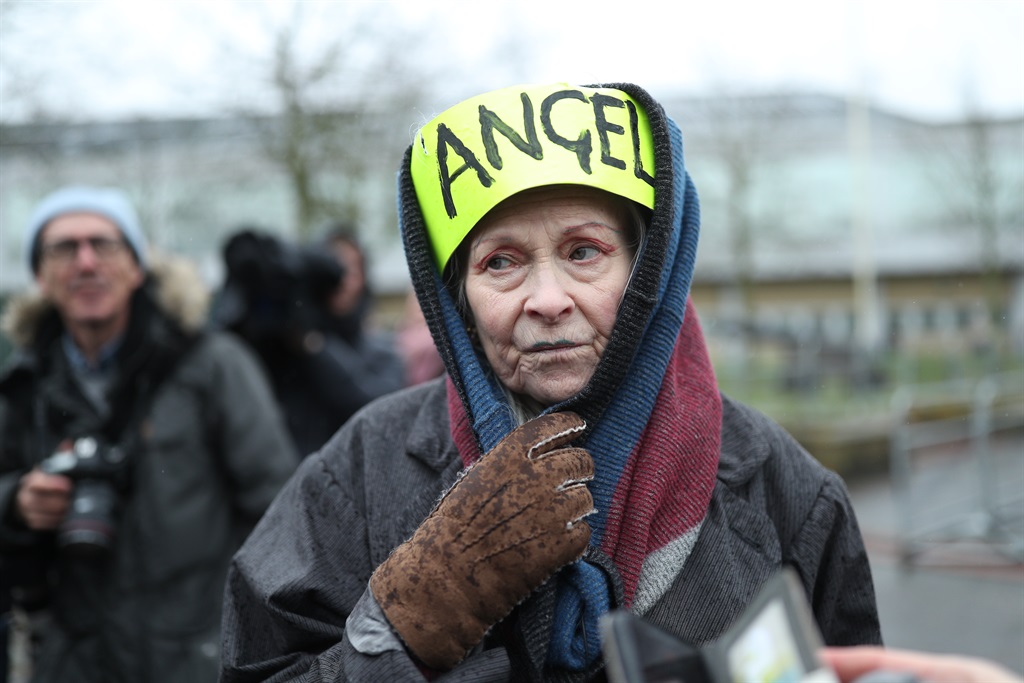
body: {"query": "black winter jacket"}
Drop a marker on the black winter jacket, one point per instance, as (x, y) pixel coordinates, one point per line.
(295, 583)
(207, 454)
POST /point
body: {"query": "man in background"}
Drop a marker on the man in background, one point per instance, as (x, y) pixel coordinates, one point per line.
(136, 453)
(304, 309)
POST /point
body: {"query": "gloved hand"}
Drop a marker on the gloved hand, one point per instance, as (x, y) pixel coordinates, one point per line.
(511, 521)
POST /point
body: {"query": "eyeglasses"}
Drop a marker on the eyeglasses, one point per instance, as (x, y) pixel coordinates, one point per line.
(66, 251)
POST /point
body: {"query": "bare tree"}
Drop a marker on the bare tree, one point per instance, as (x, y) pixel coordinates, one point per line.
(332, 126)
(977, 172)
(23, 80)
(20, 76)
(339, 87)
(742, 136)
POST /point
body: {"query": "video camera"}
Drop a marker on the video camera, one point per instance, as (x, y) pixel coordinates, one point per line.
(775, 640)
(99, 472)
(274, 288)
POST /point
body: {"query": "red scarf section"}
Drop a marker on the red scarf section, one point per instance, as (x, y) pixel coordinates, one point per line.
(667, 483)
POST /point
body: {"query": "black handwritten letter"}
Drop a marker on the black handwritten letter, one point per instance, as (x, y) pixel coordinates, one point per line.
(445, 139)
(638, 162)
(604, 127)
(489, 122)
(581, 145)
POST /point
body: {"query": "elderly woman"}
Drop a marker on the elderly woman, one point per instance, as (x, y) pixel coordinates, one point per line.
(577, 458)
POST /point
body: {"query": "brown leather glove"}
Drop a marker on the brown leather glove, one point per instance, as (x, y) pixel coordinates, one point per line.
(510, 522)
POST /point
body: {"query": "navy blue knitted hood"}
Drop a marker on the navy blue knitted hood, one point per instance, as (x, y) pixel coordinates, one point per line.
(477, 389)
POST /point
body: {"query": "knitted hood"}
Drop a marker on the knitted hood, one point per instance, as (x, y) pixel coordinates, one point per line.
(652, 407)
(670, 249)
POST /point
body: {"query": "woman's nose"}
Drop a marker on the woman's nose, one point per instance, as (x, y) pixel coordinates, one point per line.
(548, 296)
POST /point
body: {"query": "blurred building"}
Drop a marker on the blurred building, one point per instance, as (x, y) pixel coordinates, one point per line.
(832, 226)
(826, 223)
(195, 181)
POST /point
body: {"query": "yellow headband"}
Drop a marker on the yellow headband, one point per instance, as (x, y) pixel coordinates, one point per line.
(489, 147)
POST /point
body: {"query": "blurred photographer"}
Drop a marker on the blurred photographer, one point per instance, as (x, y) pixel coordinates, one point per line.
(136, 453)
(304, 310)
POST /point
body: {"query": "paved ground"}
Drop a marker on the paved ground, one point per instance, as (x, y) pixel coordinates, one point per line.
(963, 591)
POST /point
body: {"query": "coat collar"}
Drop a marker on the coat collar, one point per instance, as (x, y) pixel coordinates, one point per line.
(745, 449)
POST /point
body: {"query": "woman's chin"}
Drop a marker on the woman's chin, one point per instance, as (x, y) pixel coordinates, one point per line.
(552, 390)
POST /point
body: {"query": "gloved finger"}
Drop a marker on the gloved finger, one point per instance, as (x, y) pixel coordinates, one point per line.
(543, 434)
(519, 519)
(561, 540)
(566, 506)
(559, 502)
(560, 429)
(574, 504)
(565, 467)
(570, 542)
(578, 534)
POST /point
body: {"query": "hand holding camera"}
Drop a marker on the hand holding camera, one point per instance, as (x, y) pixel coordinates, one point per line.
(76, 490)
(43, 499)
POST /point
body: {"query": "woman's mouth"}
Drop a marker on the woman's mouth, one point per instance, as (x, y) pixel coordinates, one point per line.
(541, 347)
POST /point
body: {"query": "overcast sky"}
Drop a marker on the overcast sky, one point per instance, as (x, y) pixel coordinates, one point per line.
(929, 58)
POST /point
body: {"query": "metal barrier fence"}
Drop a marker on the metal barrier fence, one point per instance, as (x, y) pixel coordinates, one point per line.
(952, 436)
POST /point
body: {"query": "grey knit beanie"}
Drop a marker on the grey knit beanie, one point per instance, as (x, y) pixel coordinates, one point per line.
(109, 202)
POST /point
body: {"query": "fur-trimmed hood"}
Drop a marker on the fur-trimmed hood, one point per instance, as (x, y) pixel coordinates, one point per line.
(174, 282)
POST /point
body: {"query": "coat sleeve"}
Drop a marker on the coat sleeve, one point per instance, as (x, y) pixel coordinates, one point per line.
(24, 554)
(294, 583)
(828, 553)
(249, 433)
(813, 519)
(294, 586)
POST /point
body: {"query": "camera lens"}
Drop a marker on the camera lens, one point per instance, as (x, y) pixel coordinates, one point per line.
(89, 525)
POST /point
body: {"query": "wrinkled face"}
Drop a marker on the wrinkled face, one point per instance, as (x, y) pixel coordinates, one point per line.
(91, 282)
(545, 273)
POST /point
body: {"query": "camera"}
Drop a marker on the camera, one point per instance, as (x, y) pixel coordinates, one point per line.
(772, 647)
(775, 640)
(274, 288)
(98, 470)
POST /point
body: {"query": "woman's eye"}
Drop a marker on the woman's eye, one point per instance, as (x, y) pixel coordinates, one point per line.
(498, 263)
(584, 252)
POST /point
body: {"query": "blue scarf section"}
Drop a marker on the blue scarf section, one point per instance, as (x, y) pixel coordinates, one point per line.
(583, 591)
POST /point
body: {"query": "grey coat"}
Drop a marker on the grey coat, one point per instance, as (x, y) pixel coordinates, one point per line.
(212, 451)
(301, 574)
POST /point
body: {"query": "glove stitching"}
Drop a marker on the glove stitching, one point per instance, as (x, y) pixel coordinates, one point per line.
(497, 526)
(555, 437)
(468, 524)
(515, 545)
(572, 522)
(569, 484)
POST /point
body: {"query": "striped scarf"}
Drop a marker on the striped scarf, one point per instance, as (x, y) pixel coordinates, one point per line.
(651, 493)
